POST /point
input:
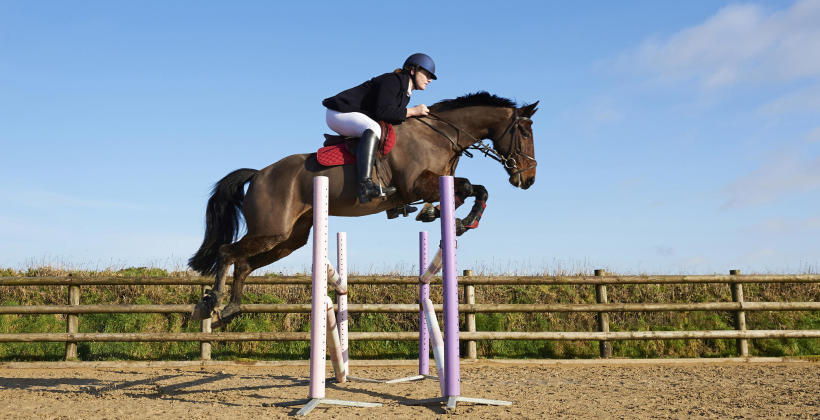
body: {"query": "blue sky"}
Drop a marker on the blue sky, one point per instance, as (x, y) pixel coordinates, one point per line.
(672, 137)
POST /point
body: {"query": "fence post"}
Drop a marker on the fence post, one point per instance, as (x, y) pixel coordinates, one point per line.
(204, 326)
(469, 298)
(72, 322)
(740, 315)
(605, 347)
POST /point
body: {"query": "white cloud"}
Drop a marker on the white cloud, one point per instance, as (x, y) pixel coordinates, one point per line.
(740, 43)
(697, 261)
(760, 253)
(784, 174)
(782, 225)
(49, 200)
(665, 251)
(814, 136)
(806, 99)
(604, 110)
(595, 112)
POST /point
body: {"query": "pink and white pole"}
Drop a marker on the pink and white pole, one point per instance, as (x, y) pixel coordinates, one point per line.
(322, 310)
(341, 299)
(424, 293)
(318, 314)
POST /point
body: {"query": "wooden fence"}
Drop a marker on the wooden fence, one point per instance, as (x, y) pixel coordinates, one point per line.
(599, 281)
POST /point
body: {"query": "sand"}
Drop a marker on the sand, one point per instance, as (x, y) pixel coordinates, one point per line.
(727, 390)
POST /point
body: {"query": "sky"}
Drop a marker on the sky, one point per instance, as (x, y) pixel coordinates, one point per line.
(671, 137)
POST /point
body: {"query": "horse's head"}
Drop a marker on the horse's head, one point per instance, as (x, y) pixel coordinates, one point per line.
(515, 147)
(482, 115)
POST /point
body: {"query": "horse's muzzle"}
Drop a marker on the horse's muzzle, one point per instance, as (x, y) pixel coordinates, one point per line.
(520, 181)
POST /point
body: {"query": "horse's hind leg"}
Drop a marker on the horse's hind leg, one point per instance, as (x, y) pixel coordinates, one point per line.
(212, 299)
(272, 251)
(297, 239)
(238, 254)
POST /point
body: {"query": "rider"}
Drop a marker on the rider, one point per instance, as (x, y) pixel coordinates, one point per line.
(354, 112)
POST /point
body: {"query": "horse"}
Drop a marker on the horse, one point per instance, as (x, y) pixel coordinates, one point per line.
(278, 205)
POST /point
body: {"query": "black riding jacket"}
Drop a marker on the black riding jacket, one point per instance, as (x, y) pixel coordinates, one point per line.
(382, 98)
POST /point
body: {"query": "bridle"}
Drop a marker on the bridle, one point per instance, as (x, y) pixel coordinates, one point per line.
(509, 162)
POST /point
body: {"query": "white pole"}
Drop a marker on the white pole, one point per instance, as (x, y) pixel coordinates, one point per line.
(341, 260)
(334, 347)
(318, 314)
(438, 341)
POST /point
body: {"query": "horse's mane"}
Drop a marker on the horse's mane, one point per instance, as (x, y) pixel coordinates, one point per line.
(481, 98)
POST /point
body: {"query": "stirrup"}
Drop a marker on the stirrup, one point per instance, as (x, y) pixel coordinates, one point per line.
(368, 191)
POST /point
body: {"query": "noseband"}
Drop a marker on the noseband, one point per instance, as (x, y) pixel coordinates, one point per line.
(509, 162)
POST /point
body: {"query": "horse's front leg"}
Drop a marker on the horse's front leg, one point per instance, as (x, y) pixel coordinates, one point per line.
(480, 195)
(463, 189)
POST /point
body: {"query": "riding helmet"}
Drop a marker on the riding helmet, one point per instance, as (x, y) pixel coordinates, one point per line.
(421, 60)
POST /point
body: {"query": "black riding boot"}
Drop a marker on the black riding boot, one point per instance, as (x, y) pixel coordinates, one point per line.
(365, 154)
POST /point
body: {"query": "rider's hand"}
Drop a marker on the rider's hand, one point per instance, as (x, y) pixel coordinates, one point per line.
(420, 110)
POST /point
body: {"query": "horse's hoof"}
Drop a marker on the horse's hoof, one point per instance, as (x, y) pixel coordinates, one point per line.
(200, 312)
(427, 214)
(460, 228)
(204, 309)
(225, 316)
(402, 210)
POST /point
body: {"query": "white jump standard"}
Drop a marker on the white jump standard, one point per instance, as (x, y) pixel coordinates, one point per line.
(322, 309)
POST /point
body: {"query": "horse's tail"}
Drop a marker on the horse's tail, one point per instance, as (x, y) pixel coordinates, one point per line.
(221, 219)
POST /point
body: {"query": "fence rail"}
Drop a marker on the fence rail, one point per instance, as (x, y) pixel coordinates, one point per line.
(396, 308)
(406, 336)
(603, 279)
(602, 308)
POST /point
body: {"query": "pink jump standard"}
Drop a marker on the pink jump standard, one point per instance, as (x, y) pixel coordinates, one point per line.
(452, 377)
(322, 308)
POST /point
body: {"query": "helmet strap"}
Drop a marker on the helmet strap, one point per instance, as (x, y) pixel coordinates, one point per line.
(414, 70)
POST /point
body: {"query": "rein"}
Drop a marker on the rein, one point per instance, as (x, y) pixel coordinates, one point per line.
(507, 161)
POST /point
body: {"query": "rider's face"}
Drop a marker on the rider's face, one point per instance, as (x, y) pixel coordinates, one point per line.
(423, 78)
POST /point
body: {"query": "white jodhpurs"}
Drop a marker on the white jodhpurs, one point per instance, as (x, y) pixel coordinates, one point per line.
(351, 124)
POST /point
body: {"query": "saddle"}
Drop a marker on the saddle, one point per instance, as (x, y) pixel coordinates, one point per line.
(341, 150)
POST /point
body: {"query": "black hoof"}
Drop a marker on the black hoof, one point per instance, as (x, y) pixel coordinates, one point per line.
(460, 228)
(402, 210)
(204, 309)
(225, 316)
(427, 214)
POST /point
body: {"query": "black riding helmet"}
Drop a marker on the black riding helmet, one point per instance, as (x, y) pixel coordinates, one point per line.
(421, 60)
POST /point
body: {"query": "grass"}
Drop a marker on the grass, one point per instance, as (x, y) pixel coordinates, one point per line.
(657, 321)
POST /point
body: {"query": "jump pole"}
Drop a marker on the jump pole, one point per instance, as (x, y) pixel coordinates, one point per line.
(452, 373)
(340, 278)
(318, 313)
(424, 293)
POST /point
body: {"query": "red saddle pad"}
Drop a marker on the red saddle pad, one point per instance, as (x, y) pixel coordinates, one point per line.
(338, 154)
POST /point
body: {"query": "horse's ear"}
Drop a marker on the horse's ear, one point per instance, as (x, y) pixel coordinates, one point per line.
(528, 110)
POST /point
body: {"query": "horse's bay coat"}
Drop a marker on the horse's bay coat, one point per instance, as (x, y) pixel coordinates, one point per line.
(278, 205)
